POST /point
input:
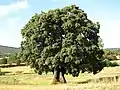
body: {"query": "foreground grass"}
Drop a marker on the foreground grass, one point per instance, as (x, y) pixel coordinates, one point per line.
(63, 87)
(24, 78)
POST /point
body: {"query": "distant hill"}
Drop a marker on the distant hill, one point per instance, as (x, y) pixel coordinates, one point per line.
(7, 49)
(113, 49)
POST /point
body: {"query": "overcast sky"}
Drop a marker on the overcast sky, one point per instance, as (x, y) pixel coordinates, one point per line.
(15, 13)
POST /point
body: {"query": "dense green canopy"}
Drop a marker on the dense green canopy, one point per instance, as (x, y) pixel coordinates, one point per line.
(62, 40)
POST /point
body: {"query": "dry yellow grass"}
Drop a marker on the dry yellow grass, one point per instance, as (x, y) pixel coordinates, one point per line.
(93, 86)
(24, 78)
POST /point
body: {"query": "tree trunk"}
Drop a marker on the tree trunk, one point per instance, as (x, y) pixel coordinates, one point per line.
(63, 77)
(56, 78)
(63, 80)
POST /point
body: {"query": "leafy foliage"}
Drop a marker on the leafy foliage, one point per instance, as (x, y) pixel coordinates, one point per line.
(62, 39)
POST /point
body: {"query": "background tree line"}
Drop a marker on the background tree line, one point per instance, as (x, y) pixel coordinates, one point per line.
(112, 53)
(10, 58)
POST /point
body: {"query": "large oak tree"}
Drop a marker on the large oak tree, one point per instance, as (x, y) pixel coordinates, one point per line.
(62, 41)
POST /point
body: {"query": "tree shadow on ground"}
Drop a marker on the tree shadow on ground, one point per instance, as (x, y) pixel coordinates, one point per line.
(84, 82)
(4, 73)
(29, 73)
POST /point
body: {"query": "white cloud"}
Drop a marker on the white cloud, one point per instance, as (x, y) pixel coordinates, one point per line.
(10, 34)
(14, 7)
(109, 30)
(10, 26)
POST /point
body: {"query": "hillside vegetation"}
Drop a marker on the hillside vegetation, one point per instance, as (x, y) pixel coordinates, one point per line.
(7, 49)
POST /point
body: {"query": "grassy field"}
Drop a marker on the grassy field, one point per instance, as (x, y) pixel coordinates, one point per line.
(24, 78)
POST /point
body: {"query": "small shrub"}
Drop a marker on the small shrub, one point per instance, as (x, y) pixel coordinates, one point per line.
(111, 57)
(113, 64)
(0, 72)
(107, 63)
(18, 62)
(3, 61)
